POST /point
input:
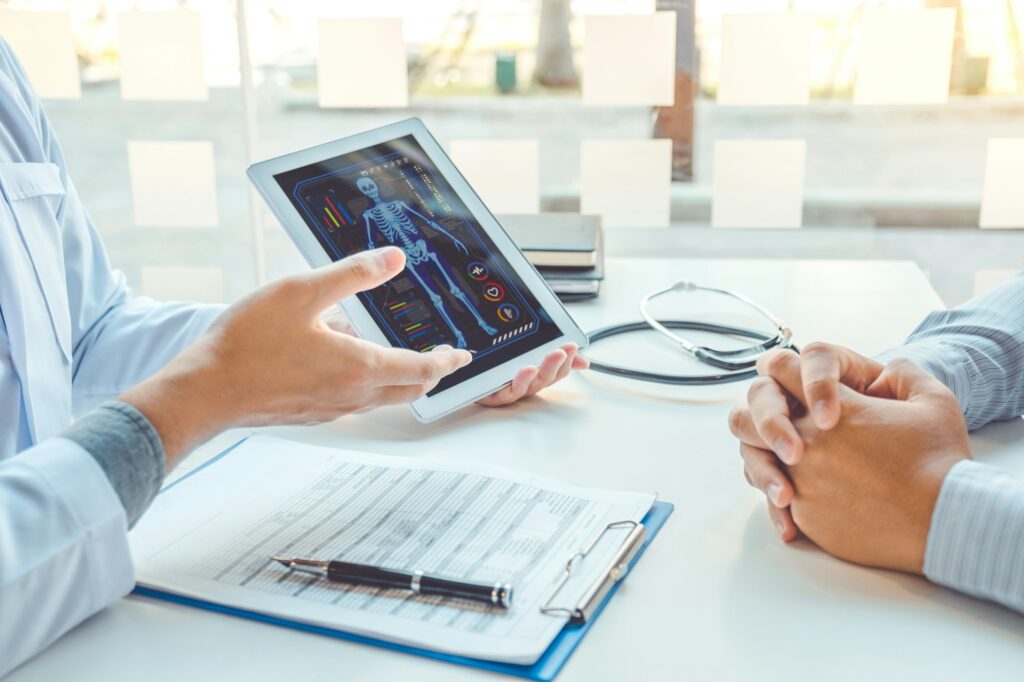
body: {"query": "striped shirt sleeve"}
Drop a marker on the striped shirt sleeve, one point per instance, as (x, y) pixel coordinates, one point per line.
(976, 538)
(977, 350)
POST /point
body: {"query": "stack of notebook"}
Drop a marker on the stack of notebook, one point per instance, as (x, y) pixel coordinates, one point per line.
(566, 248)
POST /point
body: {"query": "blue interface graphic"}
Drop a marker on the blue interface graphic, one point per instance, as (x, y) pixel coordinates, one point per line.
(456, 288)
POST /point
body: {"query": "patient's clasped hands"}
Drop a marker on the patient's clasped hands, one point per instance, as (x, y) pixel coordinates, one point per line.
(850, 452)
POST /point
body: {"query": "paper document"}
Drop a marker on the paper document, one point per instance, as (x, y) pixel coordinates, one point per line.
(210, 536)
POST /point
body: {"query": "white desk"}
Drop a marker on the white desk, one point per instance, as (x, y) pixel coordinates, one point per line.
(717, 596)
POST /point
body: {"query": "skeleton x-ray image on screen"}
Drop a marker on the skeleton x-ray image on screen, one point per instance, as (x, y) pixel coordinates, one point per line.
(456, 288)
(395, 221)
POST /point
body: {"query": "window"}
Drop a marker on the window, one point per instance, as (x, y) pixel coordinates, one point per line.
(881, 129)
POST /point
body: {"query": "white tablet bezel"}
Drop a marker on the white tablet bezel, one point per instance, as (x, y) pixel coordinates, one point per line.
(433, 407)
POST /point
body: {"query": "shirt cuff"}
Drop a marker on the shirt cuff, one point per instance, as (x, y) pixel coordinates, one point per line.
(127, 448)
(976, 539)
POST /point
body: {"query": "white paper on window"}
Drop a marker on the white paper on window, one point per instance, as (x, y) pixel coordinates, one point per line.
(1002, 201)
(766, 60)
(161, 56)
(629, 60)
(51, 63)
(360, 62)
(905, 56)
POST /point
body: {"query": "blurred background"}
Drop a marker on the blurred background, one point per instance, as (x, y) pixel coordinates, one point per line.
(898, 125)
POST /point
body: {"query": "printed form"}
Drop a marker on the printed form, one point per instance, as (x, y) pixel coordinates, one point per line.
(211, 536)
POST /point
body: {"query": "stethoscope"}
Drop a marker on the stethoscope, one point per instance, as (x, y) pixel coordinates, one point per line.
(737, 364)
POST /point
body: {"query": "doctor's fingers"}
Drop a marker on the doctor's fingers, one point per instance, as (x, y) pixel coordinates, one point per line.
(402, 367)
(572, 352)
(763, 472)
(398, 395)
(554, 366)
(575, 361)
(325, 286)
(530, 380)
(336, 321)
(516, 390)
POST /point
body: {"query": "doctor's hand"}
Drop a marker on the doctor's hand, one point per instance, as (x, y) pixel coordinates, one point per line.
(271, 359)
(865, 488)
(790, 386)
(555, 366)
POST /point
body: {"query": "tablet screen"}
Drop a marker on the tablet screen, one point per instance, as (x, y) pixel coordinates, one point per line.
(456, 289)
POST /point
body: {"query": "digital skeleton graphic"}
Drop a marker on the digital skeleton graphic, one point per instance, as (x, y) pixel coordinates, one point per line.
(394, 220)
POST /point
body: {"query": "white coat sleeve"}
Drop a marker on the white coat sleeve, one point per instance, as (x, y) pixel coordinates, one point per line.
(118, 340)
(63, 546)
(63, 530)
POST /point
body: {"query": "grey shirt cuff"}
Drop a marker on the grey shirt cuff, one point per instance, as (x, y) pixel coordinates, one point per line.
(127, 448)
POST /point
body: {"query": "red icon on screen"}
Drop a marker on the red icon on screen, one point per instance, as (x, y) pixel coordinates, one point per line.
(494, 292)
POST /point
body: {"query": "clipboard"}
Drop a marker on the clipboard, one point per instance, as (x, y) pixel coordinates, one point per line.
(582, 615)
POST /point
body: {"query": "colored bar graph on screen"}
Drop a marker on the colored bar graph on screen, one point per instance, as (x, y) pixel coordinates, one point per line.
(412, 322)
(335, 209)
(337, 205)
(331, 216)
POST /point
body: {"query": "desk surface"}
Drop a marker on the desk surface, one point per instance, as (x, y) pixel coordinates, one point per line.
(717, 596)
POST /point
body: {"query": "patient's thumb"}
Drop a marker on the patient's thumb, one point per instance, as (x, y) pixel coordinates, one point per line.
(903, 379)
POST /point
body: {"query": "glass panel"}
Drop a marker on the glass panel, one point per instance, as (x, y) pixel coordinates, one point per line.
(880, 181)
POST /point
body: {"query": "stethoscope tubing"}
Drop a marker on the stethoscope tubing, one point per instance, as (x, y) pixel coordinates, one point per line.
(678, 379)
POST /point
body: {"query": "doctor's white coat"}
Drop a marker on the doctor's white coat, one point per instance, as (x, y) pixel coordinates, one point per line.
(71, 335)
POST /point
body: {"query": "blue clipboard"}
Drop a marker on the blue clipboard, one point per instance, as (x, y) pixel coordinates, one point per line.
(543, 670)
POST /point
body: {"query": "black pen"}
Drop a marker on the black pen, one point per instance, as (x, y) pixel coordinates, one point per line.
(495, 594)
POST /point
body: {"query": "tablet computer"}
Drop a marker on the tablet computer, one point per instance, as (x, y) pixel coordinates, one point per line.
(465, 282)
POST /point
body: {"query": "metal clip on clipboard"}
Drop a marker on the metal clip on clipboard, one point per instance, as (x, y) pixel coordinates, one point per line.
(617, 568)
